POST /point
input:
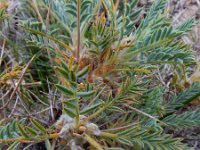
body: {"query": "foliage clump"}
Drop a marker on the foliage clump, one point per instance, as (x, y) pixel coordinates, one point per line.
(96, 77)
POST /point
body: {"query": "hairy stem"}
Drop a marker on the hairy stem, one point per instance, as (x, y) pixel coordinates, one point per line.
(78, 29)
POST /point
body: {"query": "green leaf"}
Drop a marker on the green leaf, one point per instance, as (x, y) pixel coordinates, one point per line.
(64, 90)
(83, 72)
(31, 131)
(126, 132)
(114, 148)
(183, 98)
(125, 141)
(133, 4)
(2, 133)
(22, 131)
(115, 109)
(91, 108)
(70, 112)
(71, 103)
(8, 132)
(48, 145)
(183, 120)
(73, 76)
(64, 65)
(13, 146)
(14, 125)
(186, 26)
(86, 94)
(135, 13)
(38, 126)
(62, 72)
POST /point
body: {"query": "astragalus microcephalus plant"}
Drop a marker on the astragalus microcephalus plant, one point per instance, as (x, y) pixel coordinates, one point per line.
(102, 88)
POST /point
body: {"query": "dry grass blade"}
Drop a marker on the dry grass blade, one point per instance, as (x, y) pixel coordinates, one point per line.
(2, 51)
(35, 6)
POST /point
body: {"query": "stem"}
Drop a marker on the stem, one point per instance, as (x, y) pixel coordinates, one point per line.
(116, 5)
(78, 29)
(97, 112)
(100, 110)
(108, 135)
(92, 142)
(144, 114)
(77, 113)
(31, 140)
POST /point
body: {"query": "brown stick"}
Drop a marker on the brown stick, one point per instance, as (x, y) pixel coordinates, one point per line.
(78, 29)
(117, 4)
